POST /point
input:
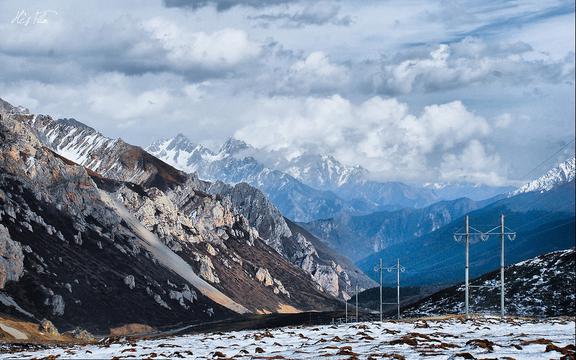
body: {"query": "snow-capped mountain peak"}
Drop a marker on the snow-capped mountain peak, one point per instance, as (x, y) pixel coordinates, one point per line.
(180, 152)
(558, 175)
(233, 146)
(324, 171)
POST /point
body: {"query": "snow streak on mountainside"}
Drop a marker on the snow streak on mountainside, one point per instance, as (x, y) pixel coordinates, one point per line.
(124, 162)
(540, 286)
(561, 174)
(324, 171)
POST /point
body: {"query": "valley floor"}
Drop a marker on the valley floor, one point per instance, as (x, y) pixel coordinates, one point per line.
(483, 337)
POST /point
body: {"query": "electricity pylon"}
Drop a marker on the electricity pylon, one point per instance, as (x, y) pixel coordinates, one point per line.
(398, 269)
(501, 230)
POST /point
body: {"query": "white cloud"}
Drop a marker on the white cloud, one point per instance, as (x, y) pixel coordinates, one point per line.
(109, 96)
(473, 164)
(315, 73)
(468, 62)
(123, 43)
(379, 134)
(503, 121)
(184, 49)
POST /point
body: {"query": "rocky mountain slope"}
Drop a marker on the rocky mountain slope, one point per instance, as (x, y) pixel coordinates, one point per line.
(118, 160)
(69, 257)
(544, 222)
(332, 271)
(135, 242)
(541, 286)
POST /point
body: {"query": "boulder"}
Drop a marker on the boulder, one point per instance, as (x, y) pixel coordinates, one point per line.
(82, 334)
(48, 328)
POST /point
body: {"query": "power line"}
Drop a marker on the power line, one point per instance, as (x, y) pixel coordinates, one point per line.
(554, 227)
(549, 157)
(535, 167)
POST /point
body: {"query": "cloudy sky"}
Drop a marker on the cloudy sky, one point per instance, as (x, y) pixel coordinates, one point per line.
(417, 91)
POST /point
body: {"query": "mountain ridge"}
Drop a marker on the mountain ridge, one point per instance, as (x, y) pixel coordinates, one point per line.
(335, 188)
(121, 161)
(562, 173)
(540, 286)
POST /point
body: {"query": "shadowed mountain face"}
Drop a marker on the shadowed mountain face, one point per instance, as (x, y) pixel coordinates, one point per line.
(360, 236)
(543, 220)
(128, 240)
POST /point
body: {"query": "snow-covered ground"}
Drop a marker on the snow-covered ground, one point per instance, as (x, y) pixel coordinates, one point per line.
(452, 338)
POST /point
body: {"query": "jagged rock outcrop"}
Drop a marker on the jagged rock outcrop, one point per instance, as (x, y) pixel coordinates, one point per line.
(11, 258)
(82, 334)
(264, 277)
(292, 244)
(130, 281)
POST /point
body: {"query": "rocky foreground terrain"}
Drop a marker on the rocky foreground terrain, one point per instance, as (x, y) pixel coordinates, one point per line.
(451, 338)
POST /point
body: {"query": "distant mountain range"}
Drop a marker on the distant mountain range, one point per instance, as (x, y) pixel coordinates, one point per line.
(310, 186)
(543, 219)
